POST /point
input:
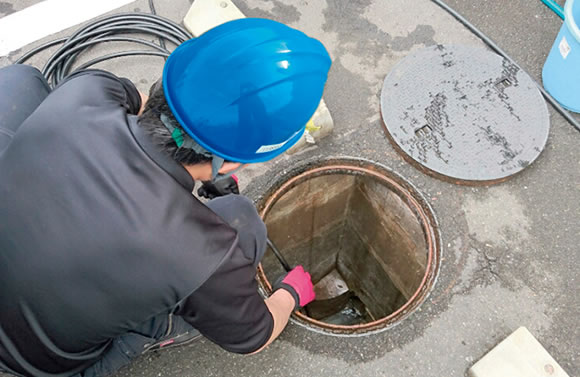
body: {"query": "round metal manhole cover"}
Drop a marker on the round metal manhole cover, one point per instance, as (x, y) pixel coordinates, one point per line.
(464, 114)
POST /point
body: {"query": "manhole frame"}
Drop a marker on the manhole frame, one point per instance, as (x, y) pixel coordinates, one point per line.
(405, 190)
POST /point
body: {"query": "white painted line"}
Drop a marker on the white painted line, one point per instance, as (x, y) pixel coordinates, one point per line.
(49, 17)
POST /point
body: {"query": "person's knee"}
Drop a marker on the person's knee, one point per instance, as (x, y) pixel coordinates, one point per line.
(21, 72)
(253, 224)
(25, 79)
(24, 88)
(234, 207)
(243, 204)
(241, 214)
(245, 214)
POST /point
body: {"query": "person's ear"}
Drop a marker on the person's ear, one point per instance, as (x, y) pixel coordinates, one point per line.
(229, 167)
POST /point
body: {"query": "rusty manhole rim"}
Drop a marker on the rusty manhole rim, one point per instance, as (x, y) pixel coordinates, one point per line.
(400, 186)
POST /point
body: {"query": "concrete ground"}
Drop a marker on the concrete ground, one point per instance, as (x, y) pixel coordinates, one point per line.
(510, 251)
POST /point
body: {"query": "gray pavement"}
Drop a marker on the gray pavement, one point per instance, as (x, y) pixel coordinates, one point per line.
(510, 251)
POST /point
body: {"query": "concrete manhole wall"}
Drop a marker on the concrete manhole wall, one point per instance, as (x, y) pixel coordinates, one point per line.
(357, 227)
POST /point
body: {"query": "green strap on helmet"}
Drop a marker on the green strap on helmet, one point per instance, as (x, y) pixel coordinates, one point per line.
(177, 136)
(185, 141)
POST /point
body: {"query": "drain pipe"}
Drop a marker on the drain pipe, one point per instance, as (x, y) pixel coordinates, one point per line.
(498, 50)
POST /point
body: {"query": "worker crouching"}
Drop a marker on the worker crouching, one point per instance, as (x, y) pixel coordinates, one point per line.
(104, 252)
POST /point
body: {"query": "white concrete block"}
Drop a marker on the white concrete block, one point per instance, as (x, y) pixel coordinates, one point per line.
(207, 14)
(519, 355)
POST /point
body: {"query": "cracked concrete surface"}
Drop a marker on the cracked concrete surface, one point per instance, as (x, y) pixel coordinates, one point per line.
(497, 217)
(510, 255)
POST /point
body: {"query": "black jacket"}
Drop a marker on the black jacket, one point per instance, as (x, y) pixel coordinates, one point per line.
(99, 231)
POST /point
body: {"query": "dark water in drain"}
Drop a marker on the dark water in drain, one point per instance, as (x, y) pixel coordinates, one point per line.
(355, 266)
(353, 313)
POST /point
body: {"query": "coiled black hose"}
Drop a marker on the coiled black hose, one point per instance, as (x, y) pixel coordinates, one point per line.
(110, 29)
(501, 52)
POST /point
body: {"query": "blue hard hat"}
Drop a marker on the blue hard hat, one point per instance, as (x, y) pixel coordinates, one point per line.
(246, 89)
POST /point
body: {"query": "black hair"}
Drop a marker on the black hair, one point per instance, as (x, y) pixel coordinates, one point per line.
(151, 122)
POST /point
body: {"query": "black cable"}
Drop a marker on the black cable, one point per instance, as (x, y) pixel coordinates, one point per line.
(152, 9)
(498, 50)
(106, 39)
(110, 29)
(36, 50)
(119, 54)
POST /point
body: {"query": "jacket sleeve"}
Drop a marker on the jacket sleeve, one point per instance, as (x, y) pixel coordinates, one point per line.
(228, 310)
(95, 86)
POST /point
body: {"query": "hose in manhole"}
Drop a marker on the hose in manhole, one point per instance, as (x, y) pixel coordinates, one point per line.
(356, 226)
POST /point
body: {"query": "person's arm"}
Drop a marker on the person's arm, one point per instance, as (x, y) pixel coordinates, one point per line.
(294, 290)
(281, 305)
(228, 310)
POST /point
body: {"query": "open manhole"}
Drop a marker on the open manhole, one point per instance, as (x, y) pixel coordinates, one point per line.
(357, 227)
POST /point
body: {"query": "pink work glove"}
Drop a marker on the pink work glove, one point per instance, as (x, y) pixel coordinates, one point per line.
(299, 284)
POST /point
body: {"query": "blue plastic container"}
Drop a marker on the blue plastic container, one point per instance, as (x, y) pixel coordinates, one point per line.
(561, 74)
